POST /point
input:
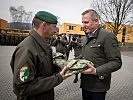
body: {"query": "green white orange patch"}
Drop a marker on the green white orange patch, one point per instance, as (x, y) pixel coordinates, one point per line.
(24, 73)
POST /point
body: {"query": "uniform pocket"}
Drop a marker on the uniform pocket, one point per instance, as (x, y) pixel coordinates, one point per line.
(45, 64)
(95, 45)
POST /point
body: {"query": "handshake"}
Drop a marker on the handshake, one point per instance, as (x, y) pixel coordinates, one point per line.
(73, 66)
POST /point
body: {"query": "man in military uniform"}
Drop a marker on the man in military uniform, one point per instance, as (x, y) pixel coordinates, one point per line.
(60, 45)
(101, 48)
(34, 77)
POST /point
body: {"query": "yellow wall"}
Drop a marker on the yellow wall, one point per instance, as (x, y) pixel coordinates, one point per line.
(128, 34)
(77, 30)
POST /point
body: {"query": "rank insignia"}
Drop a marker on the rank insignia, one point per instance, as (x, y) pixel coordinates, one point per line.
(24, 73)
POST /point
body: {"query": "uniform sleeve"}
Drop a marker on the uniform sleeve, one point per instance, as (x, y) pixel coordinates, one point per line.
(25, 80)
(54, 43)
(79, 44)
(113, 56)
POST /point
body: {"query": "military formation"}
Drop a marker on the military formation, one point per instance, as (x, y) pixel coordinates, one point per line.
(10, 39)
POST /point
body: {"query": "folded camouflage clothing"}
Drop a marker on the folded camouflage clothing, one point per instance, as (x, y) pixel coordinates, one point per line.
(73, 65)
(59, 59)
(76, 65)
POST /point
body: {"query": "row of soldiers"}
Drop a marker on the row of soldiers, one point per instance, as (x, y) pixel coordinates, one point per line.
(10, 40)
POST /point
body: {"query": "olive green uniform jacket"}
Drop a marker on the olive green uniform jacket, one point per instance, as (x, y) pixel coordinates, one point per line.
(36, 55)
(102, 49)
(76, 46)
(60, 46)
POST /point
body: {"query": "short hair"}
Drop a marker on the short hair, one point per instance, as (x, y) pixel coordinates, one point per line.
(36, 22)
(94, 14)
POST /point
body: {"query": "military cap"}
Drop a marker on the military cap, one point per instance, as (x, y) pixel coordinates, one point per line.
(47, 17)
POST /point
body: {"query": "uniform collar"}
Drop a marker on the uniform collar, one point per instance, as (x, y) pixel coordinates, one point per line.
(39, 39)
(93, 34)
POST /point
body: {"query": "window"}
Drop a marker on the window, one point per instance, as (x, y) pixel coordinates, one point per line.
(82, 29)
(74, 27)
(71, 27)
(67, 27)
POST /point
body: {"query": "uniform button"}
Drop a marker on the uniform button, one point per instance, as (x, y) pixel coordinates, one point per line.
(101, 77)
(99, 45)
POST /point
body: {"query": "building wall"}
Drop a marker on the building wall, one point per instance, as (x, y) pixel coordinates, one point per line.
(128, 37)
(3, 24)
(129, 34)
(76, 29)
(71, 28)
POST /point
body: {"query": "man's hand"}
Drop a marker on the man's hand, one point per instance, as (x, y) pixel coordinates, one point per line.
(91, 70)
(62, 73)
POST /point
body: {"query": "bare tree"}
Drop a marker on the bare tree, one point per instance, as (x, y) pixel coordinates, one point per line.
(116, 11)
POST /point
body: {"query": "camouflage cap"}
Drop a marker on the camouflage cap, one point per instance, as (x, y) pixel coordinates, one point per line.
(47, 17)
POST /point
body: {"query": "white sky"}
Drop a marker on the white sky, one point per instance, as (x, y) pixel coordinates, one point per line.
(68, 10)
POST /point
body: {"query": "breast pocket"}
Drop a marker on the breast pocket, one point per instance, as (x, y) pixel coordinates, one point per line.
(96, 48)
(97, 45)
(45, 64)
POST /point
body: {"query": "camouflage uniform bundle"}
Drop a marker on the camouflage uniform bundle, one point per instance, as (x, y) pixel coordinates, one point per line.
(76, 65)
(59, 59)
(73, 65)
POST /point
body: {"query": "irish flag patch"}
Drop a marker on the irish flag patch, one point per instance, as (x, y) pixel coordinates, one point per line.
(24, 73)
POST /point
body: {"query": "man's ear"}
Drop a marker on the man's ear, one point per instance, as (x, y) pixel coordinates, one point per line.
(44, 24)
(96, 20)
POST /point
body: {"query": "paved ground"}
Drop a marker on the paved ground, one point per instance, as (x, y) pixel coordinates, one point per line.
(121, 88)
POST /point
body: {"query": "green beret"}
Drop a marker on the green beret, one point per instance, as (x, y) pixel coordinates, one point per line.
(47, 17)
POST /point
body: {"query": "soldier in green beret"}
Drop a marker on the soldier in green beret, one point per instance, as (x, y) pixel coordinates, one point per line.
(34, 76)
